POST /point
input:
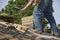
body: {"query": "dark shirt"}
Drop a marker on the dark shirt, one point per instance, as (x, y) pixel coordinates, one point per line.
(45, 4)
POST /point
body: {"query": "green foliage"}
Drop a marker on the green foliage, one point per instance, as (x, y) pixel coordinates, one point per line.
(14, 7)
(0, 12)
(59, 26)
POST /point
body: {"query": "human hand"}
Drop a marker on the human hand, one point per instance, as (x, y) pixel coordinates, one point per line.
(22, 11)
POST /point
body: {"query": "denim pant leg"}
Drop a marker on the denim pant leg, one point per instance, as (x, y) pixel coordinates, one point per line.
(37, 19)
(51, 20)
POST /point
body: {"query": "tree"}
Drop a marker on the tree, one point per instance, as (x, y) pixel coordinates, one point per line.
(59, 26)
(0, 12)
(14, 7)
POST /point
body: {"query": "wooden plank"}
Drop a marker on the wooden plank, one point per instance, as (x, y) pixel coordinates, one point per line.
(17, 26)
(27, 20)
(45, 36)
(28, 34)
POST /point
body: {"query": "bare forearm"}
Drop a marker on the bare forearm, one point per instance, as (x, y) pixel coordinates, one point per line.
(29, 4)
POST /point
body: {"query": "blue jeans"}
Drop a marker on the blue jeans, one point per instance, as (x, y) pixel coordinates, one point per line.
(37, 15)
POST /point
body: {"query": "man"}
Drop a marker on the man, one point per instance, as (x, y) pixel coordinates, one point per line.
(43, 6)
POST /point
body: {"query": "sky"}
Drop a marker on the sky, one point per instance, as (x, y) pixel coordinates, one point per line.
(56, 6)
(3, 3)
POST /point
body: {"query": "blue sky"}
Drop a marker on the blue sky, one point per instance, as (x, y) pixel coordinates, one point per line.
(56, 6)
(3, 3)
